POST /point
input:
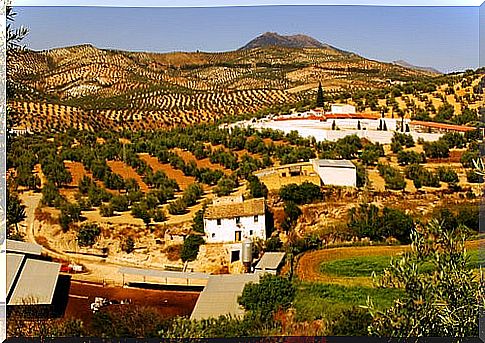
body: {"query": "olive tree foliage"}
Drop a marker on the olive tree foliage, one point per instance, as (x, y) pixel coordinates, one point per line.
(444, 300)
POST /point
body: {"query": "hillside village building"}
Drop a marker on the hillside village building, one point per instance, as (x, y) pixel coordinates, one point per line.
(341, 173)
(336, 172)
(233, 219)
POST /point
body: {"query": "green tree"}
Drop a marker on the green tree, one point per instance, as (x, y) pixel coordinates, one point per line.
(190, 248)
(128, 245)
(442, 302)
(15, 215)
(88, 234)
(320, 99)
(271, 294)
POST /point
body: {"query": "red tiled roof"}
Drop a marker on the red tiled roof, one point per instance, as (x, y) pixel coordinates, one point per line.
(327, 116)
(434, 125)
(350, 116)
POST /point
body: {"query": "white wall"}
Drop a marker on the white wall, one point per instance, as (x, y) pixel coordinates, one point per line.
(333, 176)
(226, 232)
(342, 109)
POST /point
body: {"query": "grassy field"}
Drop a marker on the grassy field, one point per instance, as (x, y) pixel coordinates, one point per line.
(364, 265)
(325, 301)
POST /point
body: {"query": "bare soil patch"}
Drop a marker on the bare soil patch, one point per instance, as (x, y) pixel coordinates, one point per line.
(182, 180)
(127, 172)
(168, 303)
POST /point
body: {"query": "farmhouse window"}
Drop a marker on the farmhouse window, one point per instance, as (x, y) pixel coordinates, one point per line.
(256, 219)
(213, 235)
(238, 220)
(218, 222)
(250, 232)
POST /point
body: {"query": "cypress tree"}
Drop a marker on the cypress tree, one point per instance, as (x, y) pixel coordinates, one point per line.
(320, 101)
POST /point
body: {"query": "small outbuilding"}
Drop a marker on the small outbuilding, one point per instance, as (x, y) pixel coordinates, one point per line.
(336, 172)
(271, 263)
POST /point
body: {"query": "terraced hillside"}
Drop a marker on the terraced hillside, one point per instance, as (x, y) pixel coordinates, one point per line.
(91, 88)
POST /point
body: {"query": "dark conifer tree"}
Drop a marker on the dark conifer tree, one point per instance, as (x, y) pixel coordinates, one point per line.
(320, 100)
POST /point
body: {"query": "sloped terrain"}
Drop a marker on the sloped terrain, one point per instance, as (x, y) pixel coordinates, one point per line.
(83, 86)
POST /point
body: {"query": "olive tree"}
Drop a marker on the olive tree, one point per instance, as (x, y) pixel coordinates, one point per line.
(442, 297)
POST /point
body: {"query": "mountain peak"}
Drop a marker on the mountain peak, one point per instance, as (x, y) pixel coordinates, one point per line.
(406, 64)
(293, 41)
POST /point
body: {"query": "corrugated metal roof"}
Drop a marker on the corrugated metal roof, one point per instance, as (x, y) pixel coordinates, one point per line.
(14, 262)
(162, 273)
(270, 260)
(220, 295)
(23, 247)
(247, 208)
(335, 163)
(36, 284)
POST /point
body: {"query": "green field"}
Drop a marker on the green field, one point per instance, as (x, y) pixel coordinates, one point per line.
(325, 301)
(365, 265)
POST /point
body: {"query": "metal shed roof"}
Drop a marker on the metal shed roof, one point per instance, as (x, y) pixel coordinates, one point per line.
(270, 260)
(335, 163)
(220, 295)
(23, 247)
(14, 264)
(36, 283)
(162, 273)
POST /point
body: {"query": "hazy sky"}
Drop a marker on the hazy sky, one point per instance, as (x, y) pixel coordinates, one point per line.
(442, 37)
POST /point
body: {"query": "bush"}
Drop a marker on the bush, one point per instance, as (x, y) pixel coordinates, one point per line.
(159, 215)
(128, 245)
(88, 234)
(438, 149)
(106, 210)
(368, 221)
(190, 248)
(351, 322)
(422, 176)
(392, 176)
(257, 189)
(447, 174)
(410, 157)
(271, 294)
(305, 193)
(177, 207)
(473, 177)
(119, 203)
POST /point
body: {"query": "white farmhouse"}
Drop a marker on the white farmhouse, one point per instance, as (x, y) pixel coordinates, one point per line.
(233, 219)
(336, 172)
(342, 109)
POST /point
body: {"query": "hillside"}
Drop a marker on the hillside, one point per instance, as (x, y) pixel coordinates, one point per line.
(92, 88)
(406, 64)
(296, 41)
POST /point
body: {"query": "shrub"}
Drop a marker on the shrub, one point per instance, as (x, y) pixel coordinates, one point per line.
(128, 245)
(88, 234)
(473, 177)
(447, 174)
(159, 215)
(351, 322)
(177, 207)
(106, 210)
(190, 248)
(119, 203)
(438, 149)
(410, 157)
(393, 178)
(305, 193)
(271, 294)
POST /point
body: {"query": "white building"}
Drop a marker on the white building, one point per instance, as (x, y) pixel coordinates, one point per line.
(232, 219)
(342, 109)
(336, 172)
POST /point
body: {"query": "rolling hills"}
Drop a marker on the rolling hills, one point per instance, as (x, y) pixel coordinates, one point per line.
(91, 88)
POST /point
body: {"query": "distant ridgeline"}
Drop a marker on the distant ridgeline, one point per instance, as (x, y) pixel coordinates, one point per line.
(90, 88)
